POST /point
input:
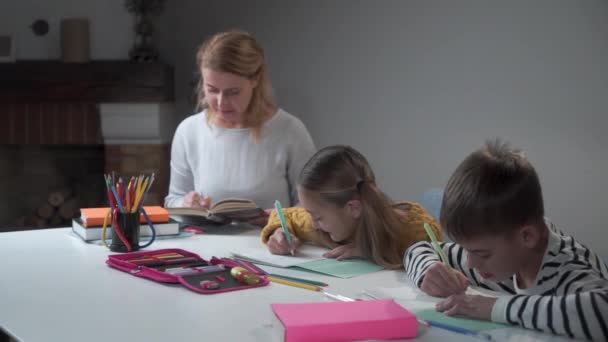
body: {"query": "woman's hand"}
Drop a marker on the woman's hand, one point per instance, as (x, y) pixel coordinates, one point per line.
(193, 199)
(277, 243)
(262, 220)
(347, 251)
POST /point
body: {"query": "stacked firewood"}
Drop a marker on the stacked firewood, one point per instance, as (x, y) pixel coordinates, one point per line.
(58, 208)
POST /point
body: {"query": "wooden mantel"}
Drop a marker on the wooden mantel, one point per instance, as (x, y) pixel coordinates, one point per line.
(93, 82)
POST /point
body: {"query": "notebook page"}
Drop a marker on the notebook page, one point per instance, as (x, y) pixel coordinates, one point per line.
(261, 255)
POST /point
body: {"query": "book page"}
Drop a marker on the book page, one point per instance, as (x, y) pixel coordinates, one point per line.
(232, 204)
(342, 269)
(261, 255)
(186, 211)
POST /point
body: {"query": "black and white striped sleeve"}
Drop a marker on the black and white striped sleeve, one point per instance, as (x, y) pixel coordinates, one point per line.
(578, 309)
(421, 255)
(418, 258)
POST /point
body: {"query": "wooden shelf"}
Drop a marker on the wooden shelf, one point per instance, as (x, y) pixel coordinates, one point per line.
(96, 81)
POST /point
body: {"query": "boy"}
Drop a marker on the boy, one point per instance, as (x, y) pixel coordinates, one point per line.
(493, 209)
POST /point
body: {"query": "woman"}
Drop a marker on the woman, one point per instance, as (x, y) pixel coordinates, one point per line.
(241, 144)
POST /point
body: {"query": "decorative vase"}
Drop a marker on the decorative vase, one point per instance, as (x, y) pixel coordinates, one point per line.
(75, 40)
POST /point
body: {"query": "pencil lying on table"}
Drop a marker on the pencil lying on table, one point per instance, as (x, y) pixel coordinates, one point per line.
(300, 280)
(294, 283)
(309, 287)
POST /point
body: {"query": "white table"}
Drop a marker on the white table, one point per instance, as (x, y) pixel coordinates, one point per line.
(55, 287)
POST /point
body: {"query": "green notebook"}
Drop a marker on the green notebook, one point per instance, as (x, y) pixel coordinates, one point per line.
(341, 269)
(471, 324)
(309, 258)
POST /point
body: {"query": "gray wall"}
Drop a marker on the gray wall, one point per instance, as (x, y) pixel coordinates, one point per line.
(417, 85)
(111, 32)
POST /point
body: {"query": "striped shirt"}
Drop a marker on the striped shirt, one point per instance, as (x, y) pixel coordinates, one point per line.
(570, 296)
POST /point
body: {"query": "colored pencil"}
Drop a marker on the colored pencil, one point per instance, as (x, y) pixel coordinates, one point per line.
(253, 267)
(460, 330)
(306, 281)
(279, 209)
(294, 284)
(435, 244)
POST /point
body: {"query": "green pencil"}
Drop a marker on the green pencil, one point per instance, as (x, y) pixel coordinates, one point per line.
(306, 281)
(435, 244)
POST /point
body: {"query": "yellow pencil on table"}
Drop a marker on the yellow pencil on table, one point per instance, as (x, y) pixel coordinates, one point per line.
(294, 284)
(300, 280)
(311, 288)
(435, 244)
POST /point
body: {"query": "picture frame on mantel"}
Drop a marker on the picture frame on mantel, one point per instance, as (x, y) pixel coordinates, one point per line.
(7, 47)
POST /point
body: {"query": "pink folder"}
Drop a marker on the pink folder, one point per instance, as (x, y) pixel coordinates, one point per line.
(345, 321)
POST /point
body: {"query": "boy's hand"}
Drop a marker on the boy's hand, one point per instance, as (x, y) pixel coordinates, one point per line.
(470, 306)
(343, 252)
(193, 199)
(442, 281)
(277, 243)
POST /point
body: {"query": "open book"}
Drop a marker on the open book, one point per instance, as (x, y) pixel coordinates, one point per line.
(230, 209)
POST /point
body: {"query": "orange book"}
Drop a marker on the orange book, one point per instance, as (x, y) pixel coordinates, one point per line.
(93, 217)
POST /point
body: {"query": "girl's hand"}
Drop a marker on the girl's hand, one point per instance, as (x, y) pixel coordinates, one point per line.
(347, 251)
(277, 243)
(193, 199)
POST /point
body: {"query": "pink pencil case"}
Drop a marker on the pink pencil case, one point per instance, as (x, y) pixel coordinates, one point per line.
(175, 265)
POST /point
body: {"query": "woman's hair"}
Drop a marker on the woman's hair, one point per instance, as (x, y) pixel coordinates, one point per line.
(238, 53)
(339, 174)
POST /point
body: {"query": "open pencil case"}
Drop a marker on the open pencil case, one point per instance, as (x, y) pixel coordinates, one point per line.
(175, 265)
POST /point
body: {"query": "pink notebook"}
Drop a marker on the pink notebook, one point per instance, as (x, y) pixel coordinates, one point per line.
(345, 321)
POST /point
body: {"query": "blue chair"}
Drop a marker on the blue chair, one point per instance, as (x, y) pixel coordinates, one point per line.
(431, 201)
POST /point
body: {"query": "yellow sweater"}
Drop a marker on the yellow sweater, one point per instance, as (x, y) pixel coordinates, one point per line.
(299, 223)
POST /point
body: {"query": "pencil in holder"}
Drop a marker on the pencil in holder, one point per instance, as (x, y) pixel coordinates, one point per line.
(126, 204)
(128, 225)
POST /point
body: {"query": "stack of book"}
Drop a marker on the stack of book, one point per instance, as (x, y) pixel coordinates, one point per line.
(90, 224)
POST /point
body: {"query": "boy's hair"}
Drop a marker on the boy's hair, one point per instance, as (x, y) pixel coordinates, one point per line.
(339, 174)
(494, 190)
(238, 53)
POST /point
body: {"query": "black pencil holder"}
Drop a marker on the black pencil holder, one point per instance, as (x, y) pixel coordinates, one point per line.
(128, 224)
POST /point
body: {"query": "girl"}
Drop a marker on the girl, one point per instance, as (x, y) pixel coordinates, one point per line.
(343, 209)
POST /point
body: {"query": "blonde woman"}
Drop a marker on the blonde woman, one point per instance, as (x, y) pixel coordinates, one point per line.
(344, 210)
(241, 144)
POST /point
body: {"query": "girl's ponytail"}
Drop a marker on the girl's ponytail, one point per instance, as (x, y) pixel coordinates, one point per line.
(378, 231)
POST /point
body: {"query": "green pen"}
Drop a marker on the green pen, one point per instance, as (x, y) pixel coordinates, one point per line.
(279, 209)
(435, 244)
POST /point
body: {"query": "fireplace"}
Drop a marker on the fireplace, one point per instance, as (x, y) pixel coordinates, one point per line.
(67, 124)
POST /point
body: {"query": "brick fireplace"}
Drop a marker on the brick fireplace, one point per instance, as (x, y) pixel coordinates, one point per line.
(64, 125)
